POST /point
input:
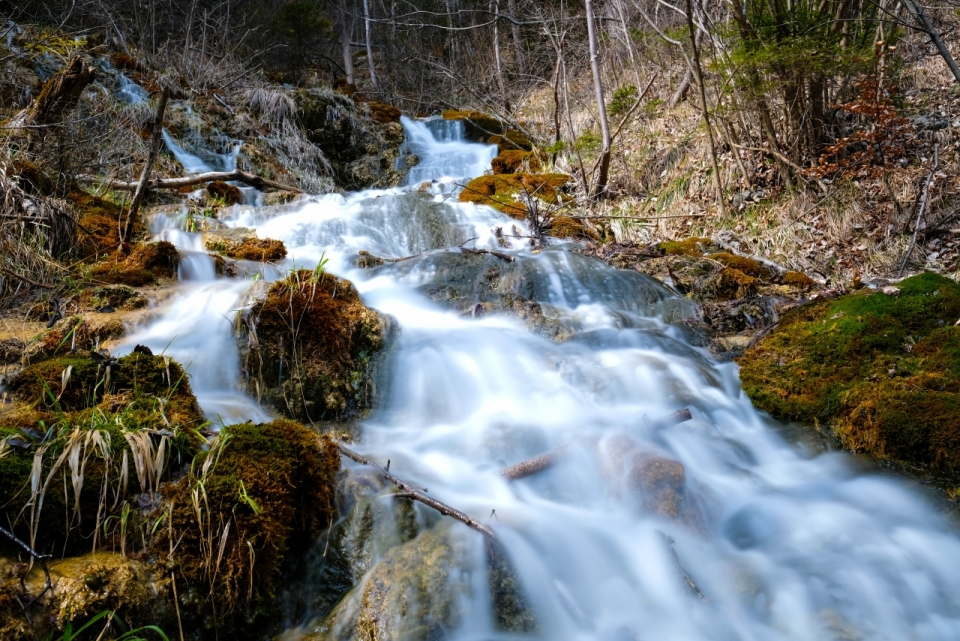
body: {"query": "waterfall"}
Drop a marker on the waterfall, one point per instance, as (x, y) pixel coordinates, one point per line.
(783, 541)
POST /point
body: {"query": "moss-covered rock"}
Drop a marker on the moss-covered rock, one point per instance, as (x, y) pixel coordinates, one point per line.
(225, 192)
(260, 495)
(309, 347)
(881, 371)
(145, 264)
(512, 161)
(99, 223)
(513, 194)
(478, 126)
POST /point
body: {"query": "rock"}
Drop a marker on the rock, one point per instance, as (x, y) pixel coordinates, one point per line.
(736, 343)
(366, 260)
(311, 346)
(878, 370)
(229, 194)
(274, 198)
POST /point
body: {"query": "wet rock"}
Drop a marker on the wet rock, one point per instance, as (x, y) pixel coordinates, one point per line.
(311, 345)
(227, 193)
(87, 585)
(366, 260)
(413, 593)
(274, 198)
(877, 370)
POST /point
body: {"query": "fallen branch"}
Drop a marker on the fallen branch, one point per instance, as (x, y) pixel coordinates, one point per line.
(542, 462)
(492, 252)
(923, 206)
(189, 181)
(418, 494)
(29, 281)
(683, 573)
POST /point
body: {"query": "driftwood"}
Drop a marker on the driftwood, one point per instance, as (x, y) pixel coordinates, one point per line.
(542, 462)
(189, 181)
(419, 494)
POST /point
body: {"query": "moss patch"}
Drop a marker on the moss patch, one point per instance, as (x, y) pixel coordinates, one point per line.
(510, 193)
(259, 249)
(693, 246)
(99, 223)
(229, 194)
(144, 265)
(512, 161)
(383, 113)
(273, 485)
(315, 339)
(882, 371)
(477, 125)
(743, 264)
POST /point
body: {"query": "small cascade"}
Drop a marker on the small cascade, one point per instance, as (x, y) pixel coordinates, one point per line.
(442, 150)
(202, 160)
(130, 92)
(782, 542)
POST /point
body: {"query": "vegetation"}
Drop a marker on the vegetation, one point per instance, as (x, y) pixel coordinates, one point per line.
(879, 370)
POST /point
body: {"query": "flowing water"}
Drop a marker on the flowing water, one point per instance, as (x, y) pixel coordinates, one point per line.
(781, 542)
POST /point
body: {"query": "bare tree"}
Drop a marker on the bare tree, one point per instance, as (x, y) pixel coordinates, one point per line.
(600, 186)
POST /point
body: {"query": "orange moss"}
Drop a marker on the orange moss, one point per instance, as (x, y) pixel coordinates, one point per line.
(229, 194)
(32, 178)
(143, 266)
(693, 246)
(100, 221)
(510, 193)
(798, 280)
(383, 113)
(125, 61)
(340, 85)
(512, 161)
(746, 265)
(315, 339)
(566, 227)
(729, 284)
(259, 249)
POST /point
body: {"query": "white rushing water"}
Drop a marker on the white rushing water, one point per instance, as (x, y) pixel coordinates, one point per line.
(783, 544)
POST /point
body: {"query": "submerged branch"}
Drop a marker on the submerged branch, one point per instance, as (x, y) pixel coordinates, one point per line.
(418, 494)
(189, 181)
(542, 462)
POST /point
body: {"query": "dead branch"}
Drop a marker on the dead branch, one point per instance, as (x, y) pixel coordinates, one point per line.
(189, 181)
(41, 558)
(418, 494)
(542, 462)
(29, 281)
(141, 189)
(492, 252)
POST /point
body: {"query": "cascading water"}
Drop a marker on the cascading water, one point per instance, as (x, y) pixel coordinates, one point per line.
(782, 543)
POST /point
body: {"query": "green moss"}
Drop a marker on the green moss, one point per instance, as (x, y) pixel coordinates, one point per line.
(882, 371)
(509, 193)
(693, 246)
(745, 265)
(274, 484)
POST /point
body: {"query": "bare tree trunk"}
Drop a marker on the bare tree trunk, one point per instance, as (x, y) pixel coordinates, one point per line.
(601, 185)
(141, 191)
(495, 8)
(368, 28)
(916, 10)
(698, 72)
(519, 59)
(345, 28)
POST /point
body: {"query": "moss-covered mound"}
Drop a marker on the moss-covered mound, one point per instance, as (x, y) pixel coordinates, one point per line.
(513, 160)
(261, 493)
(259, 249)
(81, 443)
(478, 126)
(312, 342)
(882, 371)
(229, 194)
(99, 223)
(145, 264)
(513, 194)
(138, 382)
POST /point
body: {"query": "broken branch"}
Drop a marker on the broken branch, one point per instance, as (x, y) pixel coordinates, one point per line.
(417, 494)
(189, 181)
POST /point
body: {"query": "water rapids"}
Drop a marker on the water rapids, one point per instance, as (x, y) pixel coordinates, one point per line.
(782, 542)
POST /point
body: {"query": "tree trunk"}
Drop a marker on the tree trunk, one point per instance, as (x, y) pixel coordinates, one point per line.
(601, 185)
(141, 191)
(368, 29)
(698, 72)
(495, 8)
(916, 10)
(519, 59)
(345, 28)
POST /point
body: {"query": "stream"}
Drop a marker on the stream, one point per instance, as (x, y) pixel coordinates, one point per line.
(782, 542)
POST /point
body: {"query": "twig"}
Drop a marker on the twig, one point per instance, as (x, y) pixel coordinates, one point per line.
(923, 206)
(492, 252)
(187, 181)
(683, 573)
(41, 558)
(542, 462)
(417, 494)
(29, 281)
